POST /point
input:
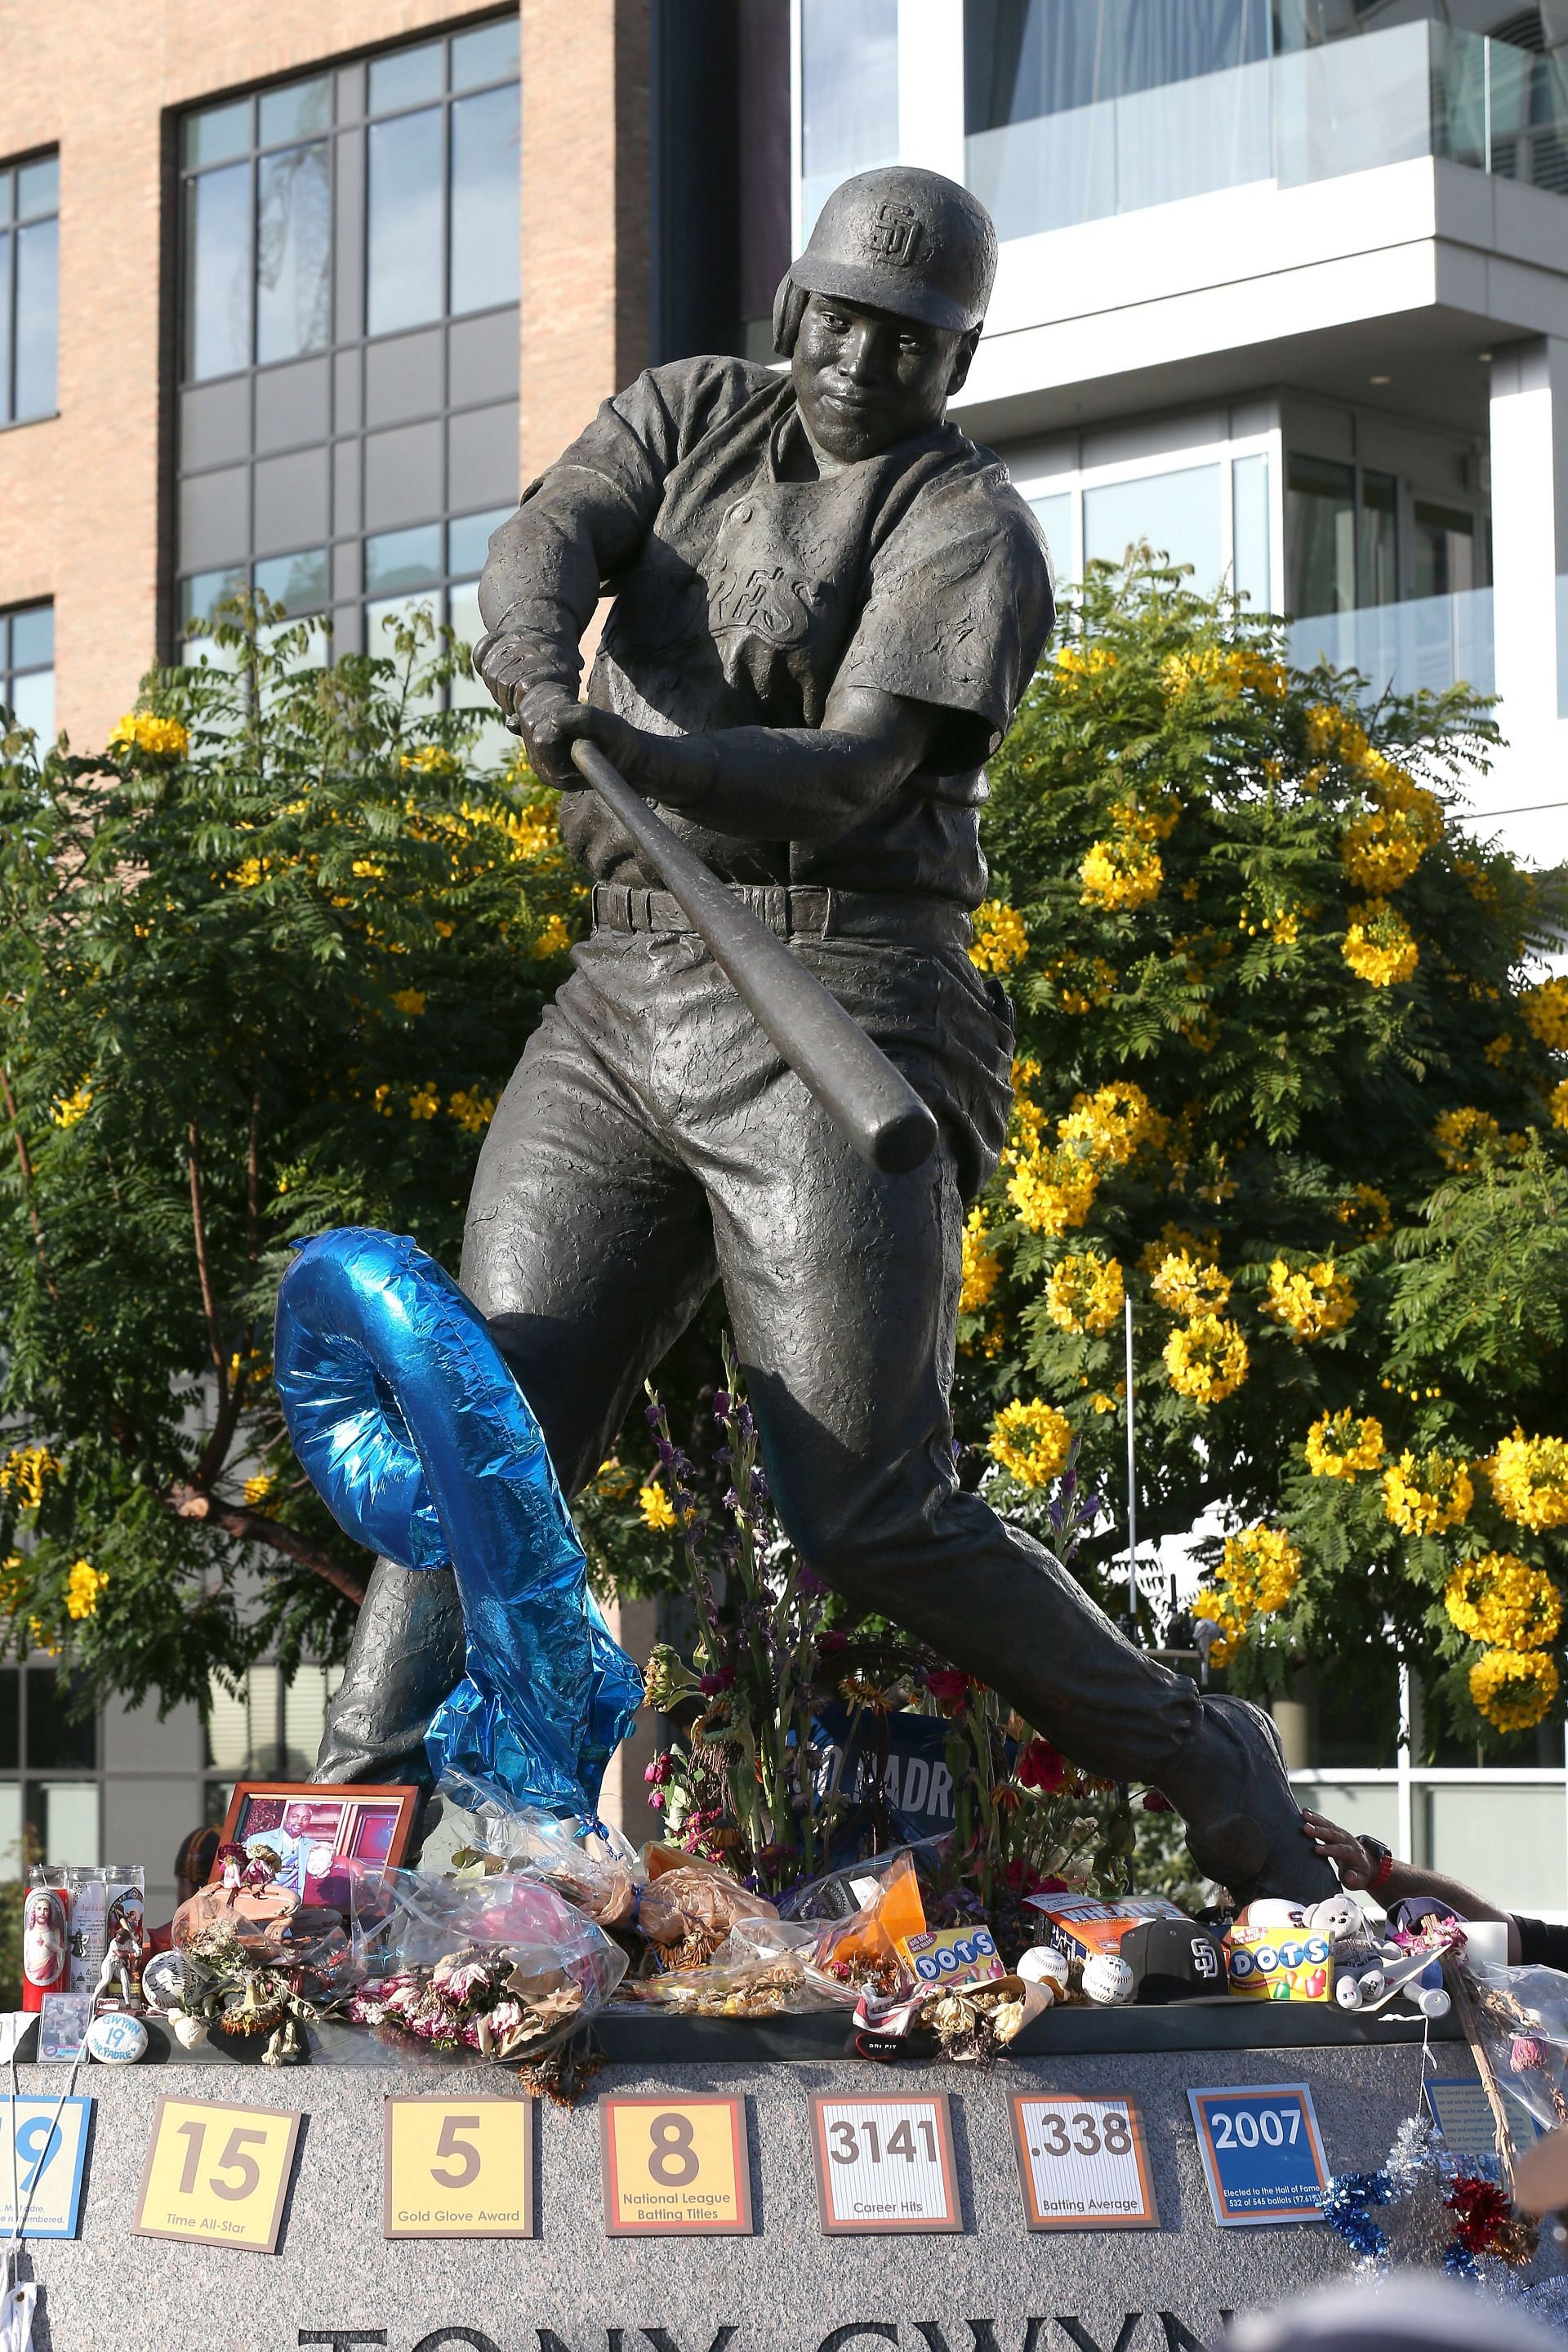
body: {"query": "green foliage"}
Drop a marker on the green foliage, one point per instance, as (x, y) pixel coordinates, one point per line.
(1285, 1083)
(270, 960)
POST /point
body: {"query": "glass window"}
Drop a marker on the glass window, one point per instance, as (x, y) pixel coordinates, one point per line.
(1444, 551)
(486, 259)
(1054, 515)
(468, 538)
(27, 676)
(10, 1689)
(1379, 581)
(849, 95)
(407, 241)
(1249, 530)
(217, 272)
(313, 436)
(1024, 59)
(1177, 513)
(58, 1738)
(29, 289)
(293, 252)
(1320, 536)
(65, 1819)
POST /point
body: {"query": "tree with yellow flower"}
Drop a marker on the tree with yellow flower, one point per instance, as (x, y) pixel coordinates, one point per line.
(1281, 1055)
(270, 961)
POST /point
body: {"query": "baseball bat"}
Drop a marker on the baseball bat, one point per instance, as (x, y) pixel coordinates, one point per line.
(852, 1078)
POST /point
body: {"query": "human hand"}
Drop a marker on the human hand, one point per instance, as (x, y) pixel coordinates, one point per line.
(1346, 1852)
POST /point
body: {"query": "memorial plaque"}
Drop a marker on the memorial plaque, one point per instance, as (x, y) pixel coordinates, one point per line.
(218, 2175)
(1262, 2153)
(885, 2163)
(458, 2168)
(676, 2167)
(43, 2148)
(1083, 2163)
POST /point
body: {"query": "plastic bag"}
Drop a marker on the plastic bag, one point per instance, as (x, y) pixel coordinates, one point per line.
(688, 1910)
(869, 1948)
(501, 1966)
(762, 1969)
(591, 1865)
(1523, 2018)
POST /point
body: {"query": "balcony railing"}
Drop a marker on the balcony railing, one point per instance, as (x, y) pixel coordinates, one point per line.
(1414, 90)
(1431, 641)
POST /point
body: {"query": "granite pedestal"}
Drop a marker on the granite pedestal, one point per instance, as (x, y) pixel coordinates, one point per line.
(336, 2281)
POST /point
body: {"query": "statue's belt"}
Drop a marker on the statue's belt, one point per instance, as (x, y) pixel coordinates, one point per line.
(798, 910)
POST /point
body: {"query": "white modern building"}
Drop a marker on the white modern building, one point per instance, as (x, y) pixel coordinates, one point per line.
(1283, 290)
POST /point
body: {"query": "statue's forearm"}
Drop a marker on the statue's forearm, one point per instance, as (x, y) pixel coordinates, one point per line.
(772, 783)
(543, 573)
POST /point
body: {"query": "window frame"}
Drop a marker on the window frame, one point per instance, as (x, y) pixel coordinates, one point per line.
(12, 223)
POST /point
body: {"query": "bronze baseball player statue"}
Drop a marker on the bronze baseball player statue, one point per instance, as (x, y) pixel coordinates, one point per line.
(827, 604)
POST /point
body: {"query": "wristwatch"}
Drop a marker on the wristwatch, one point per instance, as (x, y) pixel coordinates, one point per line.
(1381, 1861)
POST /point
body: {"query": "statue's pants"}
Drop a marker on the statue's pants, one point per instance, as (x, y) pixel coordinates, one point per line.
(651, 1141)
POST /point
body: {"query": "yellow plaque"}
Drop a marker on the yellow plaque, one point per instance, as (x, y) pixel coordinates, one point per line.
(675, 2167)
(458, 2168)
(218, 2175)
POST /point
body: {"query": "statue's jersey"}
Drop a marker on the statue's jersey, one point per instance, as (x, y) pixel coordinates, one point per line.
(745, 585)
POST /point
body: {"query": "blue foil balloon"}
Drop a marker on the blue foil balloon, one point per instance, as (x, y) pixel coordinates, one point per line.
(422, 1445)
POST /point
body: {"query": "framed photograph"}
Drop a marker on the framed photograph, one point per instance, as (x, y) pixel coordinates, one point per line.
(317, 1833)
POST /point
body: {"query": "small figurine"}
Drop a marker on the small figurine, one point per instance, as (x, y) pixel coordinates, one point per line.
(260, 1870)
(231, 1863)
(123, 1959)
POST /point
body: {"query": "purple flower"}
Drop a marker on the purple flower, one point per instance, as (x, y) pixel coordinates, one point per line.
(653, 1415)
(723, 1405)
(808, 1583)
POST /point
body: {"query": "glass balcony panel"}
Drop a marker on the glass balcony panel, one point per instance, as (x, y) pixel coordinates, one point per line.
(1430, 641)
(1191, 137)
(1177, 513)
(849, 93)
(1352, 105)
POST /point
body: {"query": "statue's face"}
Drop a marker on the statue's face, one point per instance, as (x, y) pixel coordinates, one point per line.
(866, 379)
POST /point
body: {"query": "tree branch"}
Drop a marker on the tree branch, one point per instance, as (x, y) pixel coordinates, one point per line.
(203, 1264)
(254, 1526)
(24, 1161)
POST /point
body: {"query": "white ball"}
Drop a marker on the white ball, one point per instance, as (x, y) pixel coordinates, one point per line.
(1042, 1964)
(1271, 1911)
(1107, 1979)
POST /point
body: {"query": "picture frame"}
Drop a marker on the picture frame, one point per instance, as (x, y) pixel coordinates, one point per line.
(319, 1826)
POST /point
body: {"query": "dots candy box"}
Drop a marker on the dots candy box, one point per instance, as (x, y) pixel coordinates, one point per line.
(952, 1955)
(1279, 1964)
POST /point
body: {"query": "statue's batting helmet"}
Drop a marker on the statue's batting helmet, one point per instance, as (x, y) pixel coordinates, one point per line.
(906, 241)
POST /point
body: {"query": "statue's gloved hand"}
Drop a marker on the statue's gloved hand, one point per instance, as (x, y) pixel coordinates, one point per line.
(506, 667)
(550, 721)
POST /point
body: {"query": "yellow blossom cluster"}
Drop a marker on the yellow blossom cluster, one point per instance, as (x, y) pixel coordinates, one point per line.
(982, 1266)
(1054, 1193)
(1031, 1442)
(410, 1000)
(1231, 670)
(431, 759)
(258, 1491)
(1083, 984)
(1053, 1189)
(1149, 816)
(141, 730)
(657, 1510)
(1110, 1126)
(1545, 1013)
(1121, 873)
(472, 1110)
(24, 1472)
(1206, 1360)
(1274, 913)
(1459, 1133)
(1340, 1443)
(1187, 1284)
(424, 1102)
(1368, 1212)
(1530, 1480)
(73, 1106)
(1501, 1600)
(1258, 1572)
(1172, 1240)
(1381, 849)
(1379, 945)
(553, 939)
(1075, 663)
(1557, 1104)
(84, 1586)
(1513, 1689)
(1084, 1292)
(1310, 1302)
(1000, 940)
(1424, 1497)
